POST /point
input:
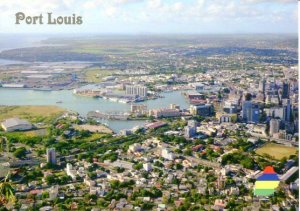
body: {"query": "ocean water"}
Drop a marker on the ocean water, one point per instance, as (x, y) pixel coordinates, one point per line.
(13, 41)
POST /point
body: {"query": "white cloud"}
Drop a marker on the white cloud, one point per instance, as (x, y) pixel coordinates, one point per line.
(90, 4)
(111, 11)
(295, 14)
(178, 6)
(154, 4)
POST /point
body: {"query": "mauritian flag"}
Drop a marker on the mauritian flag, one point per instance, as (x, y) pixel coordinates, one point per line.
(266, 184)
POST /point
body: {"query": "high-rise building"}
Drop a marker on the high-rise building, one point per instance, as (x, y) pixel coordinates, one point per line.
(274, 126)
(262, 86)
(51, 155)
(250, 112)
(287, 109)
(138, 90)
(285, 90)
(189, 131)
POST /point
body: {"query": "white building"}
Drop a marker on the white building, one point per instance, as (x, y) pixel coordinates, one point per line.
(276, 112)
(224, 117)
(134, 148)
(147, 166)
(253, 140)
(274, 126)
(89, 182)
(122, 164)
(14, 124)
(164, 112)
(136, 90)
(70, 171)
(138, 108)
(174, 106)
(289, 173)
(165, 153)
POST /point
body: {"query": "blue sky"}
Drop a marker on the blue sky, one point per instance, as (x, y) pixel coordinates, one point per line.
(156, 16)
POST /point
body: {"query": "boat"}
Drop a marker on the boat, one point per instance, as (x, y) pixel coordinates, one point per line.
(123, 101)
(113, 99)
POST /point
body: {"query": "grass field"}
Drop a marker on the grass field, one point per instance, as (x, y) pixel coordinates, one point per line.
(33, 114)
(31, 133)
(105, 48)
(276, 151)
(95, 75)
(95, 137)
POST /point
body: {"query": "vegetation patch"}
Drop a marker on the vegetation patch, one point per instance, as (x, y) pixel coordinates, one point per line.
(95, 75)
(33, 114)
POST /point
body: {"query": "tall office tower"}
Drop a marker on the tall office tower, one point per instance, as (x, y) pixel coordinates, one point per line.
(274, 126)
(262, 86)
(250, 112)
(136, 90)
(285, 90)
(287, 109)
(51, 155)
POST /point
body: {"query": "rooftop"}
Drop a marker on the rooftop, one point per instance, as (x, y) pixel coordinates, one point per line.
(14, 121)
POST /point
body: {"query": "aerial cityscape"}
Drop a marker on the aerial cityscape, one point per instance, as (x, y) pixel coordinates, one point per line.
(150, 121)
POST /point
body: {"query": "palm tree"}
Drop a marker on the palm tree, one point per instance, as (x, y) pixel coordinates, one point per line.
(2, 143)
(7, 196)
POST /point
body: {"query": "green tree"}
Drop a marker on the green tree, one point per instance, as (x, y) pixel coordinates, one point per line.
(138, 166)
(20, 152)
(7, 195)
(50, 179)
